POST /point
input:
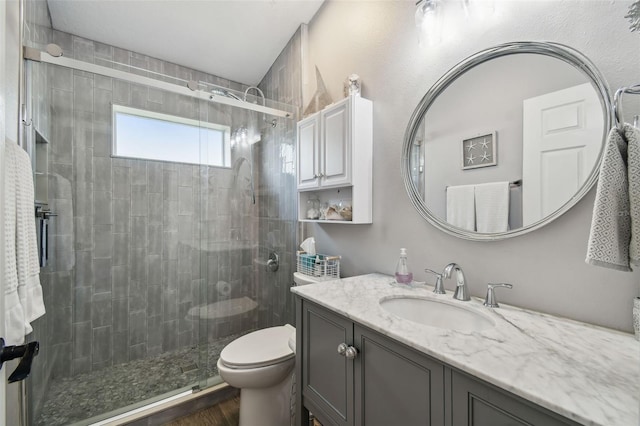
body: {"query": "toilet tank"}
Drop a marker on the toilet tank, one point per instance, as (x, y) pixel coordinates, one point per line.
(303, 279)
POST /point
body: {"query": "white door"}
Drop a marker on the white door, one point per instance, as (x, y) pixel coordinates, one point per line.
(308, 152)
(336, 145)
(562, 137)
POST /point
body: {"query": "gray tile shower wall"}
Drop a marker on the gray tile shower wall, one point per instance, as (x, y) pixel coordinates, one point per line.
(38, 32)
(277, 191)
(137, 243)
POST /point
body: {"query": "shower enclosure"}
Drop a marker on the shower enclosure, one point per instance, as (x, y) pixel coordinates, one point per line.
(165, 218)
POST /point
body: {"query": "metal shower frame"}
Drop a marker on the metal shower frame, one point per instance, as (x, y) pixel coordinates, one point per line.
(54, 55)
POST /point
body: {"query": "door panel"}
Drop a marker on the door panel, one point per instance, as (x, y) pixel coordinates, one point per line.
(475, 403)
(327, 375)
(336, 145)
(308, 164)
(395, 385)
(562, 137)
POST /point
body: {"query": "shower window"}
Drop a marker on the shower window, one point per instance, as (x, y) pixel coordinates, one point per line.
(154, 136)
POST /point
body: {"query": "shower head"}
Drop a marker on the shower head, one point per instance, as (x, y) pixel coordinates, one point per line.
(226, 93)
(257, 89)
(273, 122)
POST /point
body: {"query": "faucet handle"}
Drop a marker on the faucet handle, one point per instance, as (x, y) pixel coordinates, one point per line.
(439, 288)
(490, 301)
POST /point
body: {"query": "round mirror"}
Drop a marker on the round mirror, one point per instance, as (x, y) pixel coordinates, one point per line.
(507, 140)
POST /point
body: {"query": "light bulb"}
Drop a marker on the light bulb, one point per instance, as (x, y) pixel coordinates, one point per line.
(479, 9)
(429, 21)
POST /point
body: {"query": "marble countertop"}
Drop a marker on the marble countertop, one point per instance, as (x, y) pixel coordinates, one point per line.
(586, 373)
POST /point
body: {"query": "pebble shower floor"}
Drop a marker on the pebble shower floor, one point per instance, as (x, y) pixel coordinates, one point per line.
(81, 397)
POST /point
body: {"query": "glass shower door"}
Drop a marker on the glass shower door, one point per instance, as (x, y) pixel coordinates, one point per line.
(123, 268)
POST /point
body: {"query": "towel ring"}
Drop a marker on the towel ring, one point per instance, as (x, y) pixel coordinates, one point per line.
(618, 116)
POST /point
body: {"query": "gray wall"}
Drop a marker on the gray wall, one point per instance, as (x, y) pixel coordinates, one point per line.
(378, 41)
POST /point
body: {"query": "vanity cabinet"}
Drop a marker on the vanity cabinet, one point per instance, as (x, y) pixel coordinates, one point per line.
(475, 403)
(387, 383)
(334, 157)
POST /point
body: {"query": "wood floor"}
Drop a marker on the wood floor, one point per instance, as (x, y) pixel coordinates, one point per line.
(227, 413)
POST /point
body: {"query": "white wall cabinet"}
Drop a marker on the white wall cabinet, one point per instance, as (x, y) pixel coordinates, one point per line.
(334, 158)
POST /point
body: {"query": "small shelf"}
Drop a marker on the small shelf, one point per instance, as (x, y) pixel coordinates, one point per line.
(40, 138)
(41, 167)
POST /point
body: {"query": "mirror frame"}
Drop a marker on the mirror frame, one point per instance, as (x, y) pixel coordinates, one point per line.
(555, 50)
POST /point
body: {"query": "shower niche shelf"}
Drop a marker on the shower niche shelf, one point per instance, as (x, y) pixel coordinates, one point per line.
(335, 162)
(41, 168)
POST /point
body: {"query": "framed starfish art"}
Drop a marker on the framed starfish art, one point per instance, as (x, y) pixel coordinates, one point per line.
(479, 151)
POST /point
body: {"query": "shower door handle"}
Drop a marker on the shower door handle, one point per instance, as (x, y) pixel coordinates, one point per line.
(26, 353)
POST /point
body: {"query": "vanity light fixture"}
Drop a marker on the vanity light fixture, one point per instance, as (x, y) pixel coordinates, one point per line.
(478, 9)
(430, 17)
(634, 16)
(429, 21)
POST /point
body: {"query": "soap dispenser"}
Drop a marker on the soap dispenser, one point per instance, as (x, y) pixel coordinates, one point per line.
(403, 273)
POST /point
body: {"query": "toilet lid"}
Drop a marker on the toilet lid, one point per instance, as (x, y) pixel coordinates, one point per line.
(259, 348)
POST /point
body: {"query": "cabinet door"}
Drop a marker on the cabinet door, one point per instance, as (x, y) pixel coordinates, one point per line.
(327, 377)
(476, 403)
(336, 145)
(308, 152)
(395, 385)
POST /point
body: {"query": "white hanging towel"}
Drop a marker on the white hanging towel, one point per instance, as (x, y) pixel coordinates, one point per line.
(492, 207)
(461, 210)
(614, 238)
(23, 299)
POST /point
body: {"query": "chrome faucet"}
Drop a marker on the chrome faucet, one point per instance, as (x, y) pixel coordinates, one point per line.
(490, 301)
(439, 288)
(462, 291)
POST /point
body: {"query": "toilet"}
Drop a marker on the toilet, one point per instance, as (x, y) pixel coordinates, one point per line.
(261, 365)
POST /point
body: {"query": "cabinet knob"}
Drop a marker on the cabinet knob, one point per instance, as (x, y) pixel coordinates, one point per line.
(351, 352)
(347, 351)
(320, 175)
(342, 348)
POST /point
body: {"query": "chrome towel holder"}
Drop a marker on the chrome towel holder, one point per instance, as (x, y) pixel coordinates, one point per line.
(617, 103)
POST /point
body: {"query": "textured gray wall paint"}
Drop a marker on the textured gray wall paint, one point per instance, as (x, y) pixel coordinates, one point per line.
(378, 41)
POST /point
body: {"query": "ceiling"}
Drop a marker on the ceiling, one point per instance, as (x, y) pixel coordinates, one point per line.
(235, 39)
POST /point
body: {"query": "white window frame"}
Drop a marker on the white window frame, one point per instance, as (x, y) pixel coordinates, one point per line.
(226, 132)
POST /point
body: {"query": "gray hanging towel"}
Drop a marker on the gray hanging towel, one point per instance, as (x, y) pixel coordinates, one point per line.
(616, 211)
(632, 134)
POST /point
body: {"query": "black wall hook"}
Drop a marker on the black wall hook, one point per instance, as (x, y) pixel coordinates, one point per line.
(26, 352)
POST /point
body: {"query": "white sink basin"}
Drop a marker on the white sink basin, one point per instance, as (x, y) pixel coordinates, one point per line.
(446, 315)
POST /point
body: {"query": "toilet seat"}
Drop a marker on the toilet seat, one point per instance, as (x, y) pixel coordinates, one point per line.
(260, 348)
